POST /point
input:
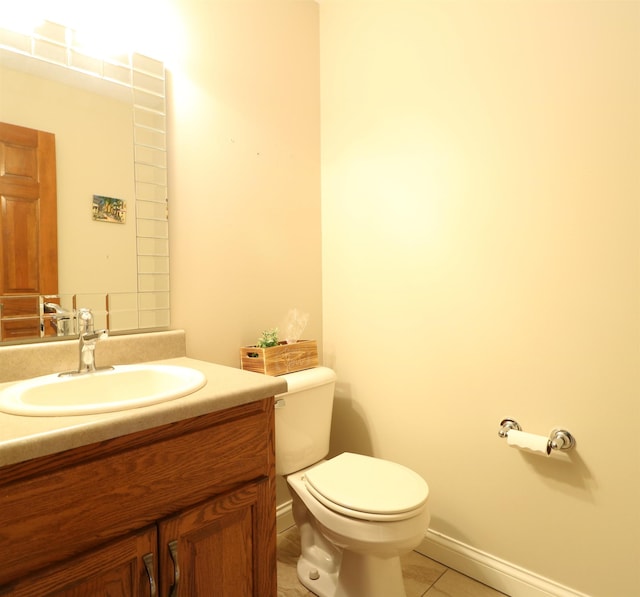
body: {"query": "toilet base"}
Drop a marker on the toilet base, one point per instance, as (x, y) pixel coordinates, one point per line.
(359, 575)
(319, 582)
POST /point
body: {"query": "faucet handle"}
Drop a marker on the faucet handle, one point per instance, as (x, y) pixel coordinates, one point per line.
(95, 335)
(88, 341)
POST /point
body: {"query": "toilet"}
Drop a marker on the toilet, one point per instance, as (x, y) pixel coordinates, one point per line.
(356, 514)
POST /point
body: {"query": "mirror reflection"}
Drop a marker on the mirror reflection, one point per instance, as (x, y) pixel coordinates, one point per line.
(108, 122)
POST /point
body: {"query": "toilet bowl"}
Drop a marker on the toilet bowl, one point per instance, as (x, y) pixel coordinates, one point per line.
(356, 514)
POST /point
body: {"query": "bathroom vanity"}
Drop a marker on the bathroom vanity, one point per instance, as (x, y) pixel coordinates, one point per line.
(176, 499)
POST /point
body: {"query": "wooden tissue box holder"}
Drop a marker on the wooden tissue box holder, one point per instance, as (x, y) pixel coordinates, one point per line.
(280, 359)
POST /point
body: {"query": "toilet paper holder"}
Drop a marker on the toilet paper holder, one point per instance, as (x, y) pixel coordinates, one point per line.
(559, 439)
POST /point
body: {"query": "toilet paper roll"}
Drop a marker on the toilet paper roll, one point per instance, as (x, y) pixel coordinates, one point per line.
(538, 444)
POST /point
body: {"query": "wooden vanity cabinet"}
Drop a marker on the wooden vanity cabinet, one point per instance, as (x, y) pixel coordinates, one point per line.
(183, 510)
(117, 569)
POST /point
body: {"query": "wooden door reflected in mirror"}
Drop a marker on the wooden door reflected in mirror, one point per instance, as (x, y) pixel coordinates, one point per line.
(28, 229)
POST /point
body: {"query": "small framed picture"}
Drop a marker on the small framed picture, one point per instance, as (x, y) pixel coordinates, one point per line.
(109, 209)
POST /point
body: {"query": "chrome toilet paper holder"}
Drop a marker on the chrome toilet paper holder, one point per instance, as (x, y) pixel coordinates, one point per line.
(559, 439)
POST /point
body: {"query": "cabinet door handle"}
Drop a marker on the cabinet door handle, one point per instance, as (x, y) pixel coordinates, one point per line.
(148, 564)
(173, 551)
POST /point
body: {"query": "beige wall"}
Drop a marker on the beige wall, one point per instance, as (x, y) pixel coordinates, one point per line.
(480, 196)
(480, 244)
(244, 172)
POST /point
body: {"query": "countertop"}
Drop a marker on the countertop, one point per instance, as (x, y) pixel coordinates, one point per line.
(23, 438)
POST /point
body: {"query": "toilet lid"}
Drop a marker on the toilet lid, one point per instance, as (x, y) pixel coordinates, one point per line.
(353, 483)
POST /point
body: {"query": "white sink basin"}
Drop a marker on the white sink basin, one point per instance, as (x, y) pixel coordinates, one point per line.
(121, 388)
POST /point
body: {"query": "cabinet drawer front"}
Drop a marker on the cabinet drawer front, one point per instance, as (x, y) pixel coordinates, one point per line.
(55, 515)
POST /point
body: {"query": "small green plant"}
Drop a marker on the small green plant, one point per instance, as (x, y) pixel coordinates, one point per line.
(268, 338)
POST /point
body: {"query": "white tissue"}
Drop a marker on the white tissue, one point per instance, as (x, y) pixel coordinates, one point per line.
(538, 444)
(294, 325)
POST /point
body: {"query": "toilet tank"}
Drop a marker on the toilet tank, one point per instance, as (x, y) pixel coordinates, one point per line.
(303, 419)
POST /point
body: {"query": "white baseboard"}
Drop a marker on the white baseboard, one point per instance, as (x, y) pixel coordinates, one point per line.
(483, 567)
(494, 572)
(284, 517)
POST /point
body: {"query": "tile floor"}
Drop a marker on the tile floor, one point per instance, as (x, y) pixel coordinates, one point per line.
(423, 577)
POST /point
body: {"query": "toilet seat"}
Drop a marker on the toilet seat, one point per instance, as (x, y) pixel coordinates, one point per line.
(367, 488)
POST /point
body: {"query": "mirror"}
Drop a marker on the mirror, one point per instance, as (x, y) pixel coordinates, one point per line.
(109, 120)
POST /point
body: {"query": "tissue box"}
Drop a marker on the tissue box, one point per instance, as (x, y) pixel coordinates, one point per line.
(281, 359)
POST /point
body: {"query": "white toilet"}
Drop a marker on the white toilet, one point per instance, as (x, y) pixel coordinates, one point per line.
(356, 514)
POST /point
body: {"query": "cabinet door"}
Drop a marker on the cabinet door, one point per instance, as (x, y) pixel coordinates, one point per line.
(221, 548)
(124, 568)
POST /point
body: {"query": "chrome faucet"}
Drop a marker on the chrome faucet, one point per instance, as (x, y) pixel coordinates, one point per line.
(60, 320)
(88, 339)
